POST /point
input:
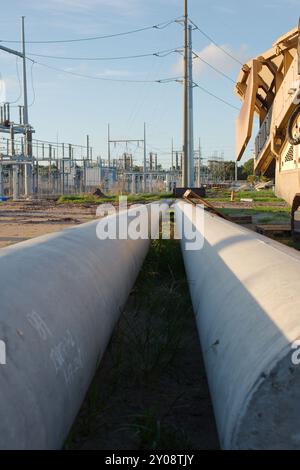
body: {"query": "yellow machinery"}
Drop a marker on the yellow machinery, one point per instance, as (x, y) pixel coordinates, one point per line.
(269, 86)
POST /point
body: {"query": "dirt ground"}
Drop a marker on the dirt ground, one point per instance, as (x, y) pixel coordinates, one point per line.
(23, 220)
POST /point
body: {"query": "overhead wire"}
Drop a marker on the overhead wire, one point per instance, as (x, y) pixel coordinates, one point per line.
(94, 77)
(140, 98)
(196, 27)
(19, 81)
(93, 38)
(215, 96)
(162, 53)
(213, 67)
(32, 85)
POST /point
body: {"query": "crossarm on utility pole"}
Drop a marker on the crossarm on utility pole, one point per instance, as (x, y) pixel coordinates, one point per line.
(11, 51)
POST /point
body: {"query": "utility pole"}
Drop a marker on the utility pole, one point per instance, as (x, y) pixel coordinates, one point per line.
(150, 169)
(136, 141)
(188, 135)
(185, 100)
(63, 168)
(28, 135)
(16, 182)
(190, 113)
(145, 160)
(87, 147)
(108, 148)
(199, 165)
(26, 122)
(172, 159)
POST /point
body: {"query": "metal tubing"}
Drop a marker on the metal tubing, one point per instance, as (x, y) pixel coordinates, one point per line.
(108, 144)
(8, 112)
(145, 161)
(16, 182)
(28, 166)
(1, 181)
(12, 141)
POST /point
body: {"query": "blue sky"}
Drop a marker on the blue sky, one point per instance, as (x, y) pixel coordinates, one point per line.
(68, 107)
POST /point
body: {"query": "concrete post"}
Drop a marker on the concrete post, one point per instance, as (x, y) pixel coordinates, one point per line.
(244, 288)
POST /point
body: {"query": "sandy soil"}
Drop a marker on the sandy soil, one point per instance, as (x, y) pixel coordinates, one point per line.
(21, 221)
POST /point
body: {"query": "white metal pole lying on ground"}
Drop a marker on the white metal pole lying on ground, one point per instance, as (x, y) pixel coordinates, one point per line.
(61, 295)
(245, 292)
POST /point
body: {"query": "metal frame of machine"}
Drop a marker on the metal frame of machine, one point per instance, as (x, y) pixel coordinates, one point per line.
(269, 86)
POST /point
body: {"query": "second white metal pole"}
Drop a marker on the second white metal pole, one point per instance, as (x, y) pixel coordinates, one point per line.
(28, 137)
(145, 160)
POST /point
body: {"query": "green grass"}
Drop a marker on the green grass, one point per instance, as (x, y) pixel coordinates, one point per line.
(154, 434)
(266, 220)
(261, 214)
(282, 211)
(81, 199)
(152, 330)
(257, 196)
(285, 211)
(146, 345)
(89, 199)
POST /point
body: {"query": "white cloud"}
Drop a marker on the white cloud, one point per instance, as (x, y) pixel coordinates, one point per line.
(113, 73)
(224, 9)
(217, 58)
(281, 3)
(2, 91)
(83, 68)
(9, 89)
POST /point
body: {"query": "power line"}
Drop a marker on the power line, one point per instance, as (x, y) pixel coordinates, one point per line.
(19, 82)
(32, 85)
(216, 44)
(214, 68)
(215, 96)
(57, 143)
(162, 53)
(93, 38)
(76, 74)
(197, 56)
